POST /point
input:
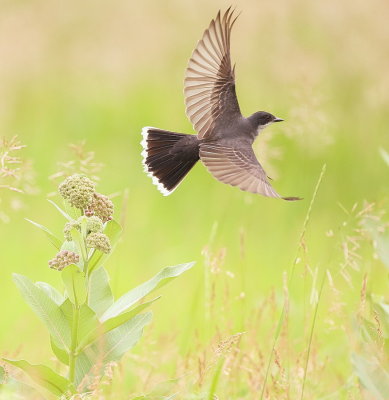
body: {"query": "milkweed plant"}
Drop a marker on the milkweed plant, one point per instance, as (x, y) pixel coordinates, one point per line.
(88, 328)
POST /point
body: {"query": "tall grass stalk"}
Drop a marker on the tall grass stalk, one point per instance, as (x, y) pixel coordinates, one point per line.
(311, 335)
(300, 246)
(215, 379)
(306, 221)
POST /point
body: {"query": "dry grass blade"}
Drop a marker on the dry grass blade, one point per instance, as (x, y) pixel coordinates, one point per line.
(311, 335)
(301, 246)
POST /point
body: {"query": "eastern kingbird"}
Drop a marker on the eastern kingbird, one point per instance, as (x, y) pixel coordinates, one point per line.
(224, 137)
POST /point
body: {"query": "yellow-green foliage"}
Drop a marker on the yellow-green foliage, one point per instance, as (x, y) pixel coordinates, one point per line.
(100, 71)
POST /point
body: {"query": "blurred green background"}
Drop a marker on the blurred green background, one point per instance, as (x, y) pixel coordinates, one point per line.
(100, 71)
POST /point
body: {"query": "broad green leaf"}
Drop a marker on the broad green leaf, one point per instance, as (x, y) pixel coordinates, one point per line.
(43, 375)
(96, 260)
(112, 345)
(64, 213)
(136, 294)
(77, 245)
(70, 245)
(87, 321)
(46, 309)
(75, 284)
(100, 295)
(15, 389)
(73, 212)
(83, 366)
(372, 376)
(123, 338)
(113, 230)
(76, 235)
(53, 239)
(113, 323)
(61, 354)
(52, 292)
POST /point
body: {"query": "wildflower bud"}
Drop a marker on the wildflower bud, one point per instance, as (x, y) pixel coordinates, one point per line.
(63, 259)
(98, 241)
(94, 224)
(101, 206)
(78, 190)
(68, 229)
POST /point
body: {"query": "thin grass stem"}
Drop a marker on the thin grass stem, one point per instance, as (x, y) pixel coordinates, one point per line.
(311, 335)
(282, 316)
(215, 379)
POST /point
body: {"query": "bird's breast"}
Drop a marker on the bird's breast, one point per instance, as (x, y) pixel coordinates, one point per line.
(235, 130)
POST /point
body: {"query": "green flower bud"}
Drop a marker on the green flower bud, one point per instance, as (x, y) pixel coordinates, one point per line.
(78, 190)
(98, 241)
(94, 225)
(101, 207)
(63, 259)
(68, 228)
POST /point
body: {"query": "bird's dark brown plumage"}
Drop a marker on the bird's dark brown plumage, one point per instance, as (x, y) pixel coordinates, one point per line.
(224, 137)
(209, 84)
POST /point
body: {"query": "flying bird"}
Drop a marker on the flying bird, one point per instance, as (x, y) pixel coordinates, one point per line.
(224, 136)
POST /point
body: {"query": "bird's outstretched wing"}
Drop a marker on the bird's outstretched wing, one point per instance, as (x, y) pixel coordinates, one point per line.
(238, 167)
(209, 84)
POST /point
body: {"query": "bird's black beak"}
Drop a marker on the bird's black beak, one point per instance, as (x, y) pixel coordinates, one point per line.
(278, 120)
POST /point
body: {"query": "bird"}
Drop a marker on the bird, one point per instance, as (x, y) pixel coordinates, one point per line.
(224, 136)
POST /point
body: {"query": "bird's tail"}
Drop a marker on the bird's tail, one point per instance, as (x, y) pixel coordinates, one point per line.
(168, 157)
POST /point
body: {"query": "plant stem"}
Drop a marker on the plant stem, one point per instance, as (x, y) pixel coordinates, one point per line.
(311, 336)
(84, 251)
(81, 239)
(76, 307)
(74, 339)
(283, 312)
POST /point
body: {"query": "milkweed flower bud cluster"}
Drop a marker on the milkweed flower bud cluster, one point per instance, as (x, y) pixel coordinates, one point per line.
(99, 241)
(101, 207)
(94, 236)
(78, 190)
(69, 226)
(93, 225)
(97, 208)
(63, 259)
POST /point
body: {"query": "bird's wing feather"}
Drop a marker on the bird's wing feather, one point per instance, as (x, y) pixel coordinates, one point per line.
(237, 167)
(209, 84)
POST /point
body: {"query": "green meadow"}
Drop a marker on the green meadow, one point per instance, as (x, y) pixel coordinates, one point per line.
(287, 300)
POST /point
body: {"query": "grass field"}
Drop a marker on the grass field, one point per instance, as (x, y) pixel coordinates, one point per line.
(277, 304)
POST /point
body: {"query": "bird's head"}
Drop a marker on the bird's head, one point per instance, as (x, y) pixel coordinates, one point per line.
(262, 119)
